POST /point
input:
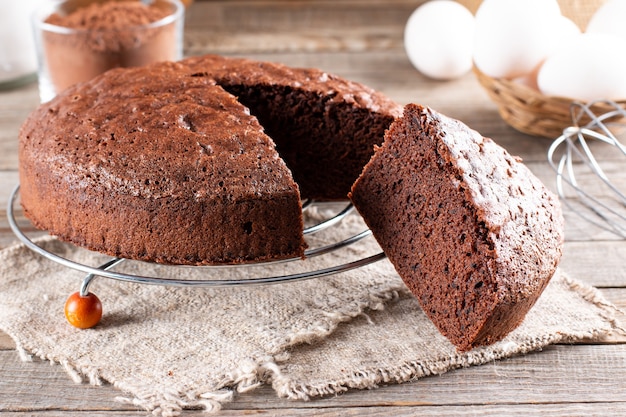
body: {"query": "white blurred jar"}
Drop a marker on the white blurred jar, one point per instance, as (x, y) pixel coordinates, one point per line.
(18, 59)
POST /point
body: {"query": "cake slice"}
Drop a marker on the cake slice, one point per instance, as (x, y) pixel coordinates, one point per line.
(473, 233)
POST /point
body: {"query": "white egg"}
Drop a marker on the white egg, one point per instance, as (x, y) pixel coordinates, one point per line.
(439, 38)
(513, 37)
(566, 32)
(610, 18)
(586, 68)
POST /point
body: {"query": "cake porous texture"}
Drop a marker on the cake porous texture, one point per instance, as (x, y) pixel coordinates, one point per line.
(175, 162)
(325, 127)
(473, 233)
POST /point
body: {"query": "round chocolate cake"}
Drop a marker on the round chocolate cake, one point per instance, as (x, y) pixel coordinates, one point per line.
(184, 163)
(472, 232)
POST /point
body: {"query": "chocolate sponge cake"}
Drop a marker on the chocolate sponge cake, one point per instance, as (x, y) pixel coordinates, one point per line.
(163, 164)
(472, 232)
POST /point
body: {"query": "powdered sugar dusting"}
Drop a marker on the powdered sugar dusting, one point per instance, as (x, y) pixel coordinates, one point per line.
(523, 216)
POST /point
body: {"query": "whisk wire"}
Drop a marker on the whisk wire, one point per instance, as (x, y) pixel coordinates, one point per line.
(606, 212)
(585, 199)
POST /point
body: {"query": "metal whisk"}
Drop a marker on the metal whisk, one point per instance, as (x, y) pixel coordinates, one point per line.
(582, 183)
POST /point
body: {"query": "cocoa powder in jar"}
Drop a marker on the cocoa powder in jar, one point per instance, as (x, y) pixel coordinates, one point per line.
(101, 36)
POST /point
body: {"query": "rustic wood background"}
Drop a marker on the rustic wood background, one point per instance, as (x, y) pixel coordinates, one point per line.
(362, 40)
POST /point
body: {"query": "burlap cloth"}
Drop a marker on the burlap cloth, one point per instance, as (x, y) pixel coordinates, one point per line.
(167, 349)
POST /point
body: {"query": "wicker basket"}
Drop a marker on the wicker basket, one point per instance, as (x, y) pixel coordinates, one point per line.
(531, 112)
(525, 108)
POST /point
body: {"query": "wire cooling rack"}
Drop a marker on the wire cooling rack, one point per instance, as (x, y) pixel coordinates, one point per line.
(113, 268)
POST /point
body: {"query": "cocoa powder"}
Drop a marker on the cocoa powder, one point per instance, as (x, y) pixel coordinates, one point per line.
(102, 36)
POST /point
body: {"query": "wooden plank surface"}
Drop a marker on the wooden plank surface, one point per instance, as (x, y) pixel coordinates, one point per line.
(572, 374)
(362, 40)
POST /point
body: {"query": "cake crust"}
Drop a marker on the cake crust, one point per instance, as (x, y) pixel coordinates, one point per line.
(473, 233)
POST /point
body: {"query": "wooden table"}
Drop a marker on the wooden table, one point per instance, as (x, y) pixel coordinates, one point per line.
(360, 40)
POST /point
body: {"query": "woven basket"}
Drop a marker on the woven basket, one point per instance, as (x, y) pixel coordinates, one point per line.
(525, 108)
(531, 112)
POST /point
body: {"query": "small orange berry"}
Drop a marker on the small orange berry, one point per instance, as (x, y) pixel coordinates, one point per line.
(83, 312)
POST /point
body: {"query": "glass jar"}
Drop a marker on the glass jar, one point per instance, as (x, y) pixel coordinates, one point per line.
(18, 59)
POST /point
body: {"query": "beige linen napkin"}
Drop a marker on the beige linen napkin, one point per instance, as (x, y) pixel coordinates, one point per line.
(167, 349)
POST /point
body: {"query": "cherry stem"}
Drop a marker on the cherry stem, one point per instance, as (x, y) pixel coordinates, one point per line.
(84, 288)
